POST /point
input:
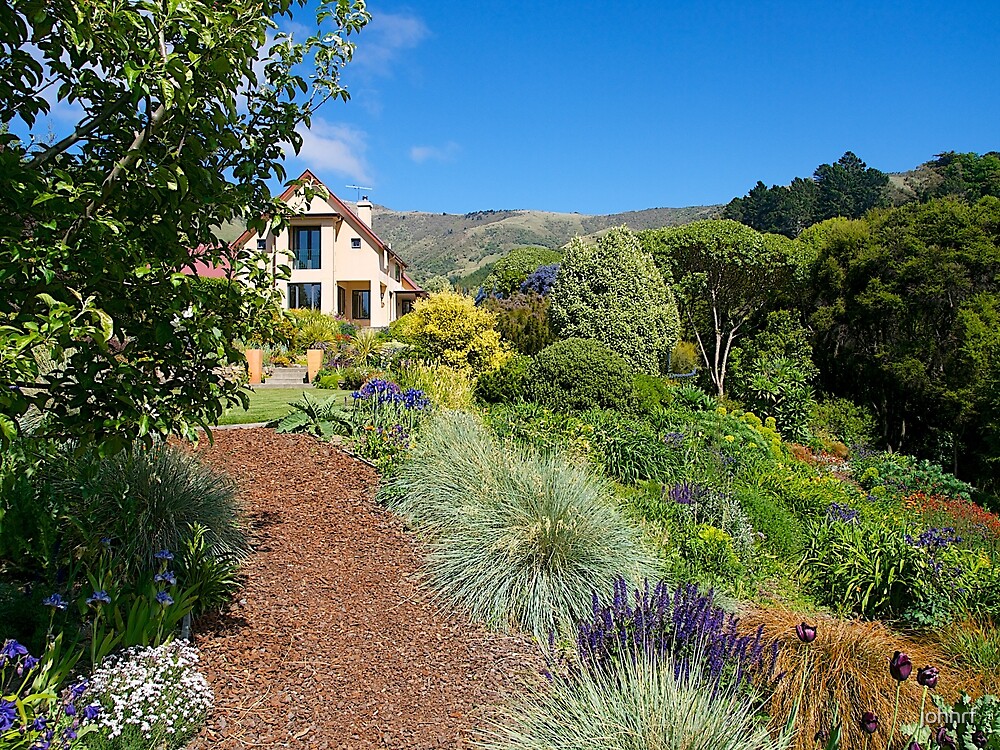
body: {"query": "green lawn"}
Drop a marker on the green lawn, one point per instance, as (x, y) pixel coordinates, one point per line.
(271, 403)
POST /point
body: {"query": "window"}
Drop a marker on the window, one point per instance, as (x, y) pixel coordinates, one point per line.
(262, 243)
(305, 247)
(302, 296)
(396, 270)
(361, 304)
(341, 300)
(355, 243)
(406, 306)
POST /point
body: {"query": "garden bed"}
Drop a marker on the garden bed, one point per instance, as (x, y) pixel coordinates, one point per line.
(333, 643)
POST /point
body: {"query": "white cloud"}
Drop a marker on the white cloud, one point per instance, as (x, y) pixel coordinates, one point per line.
(382, 41)
(447, 152)
(335, 148)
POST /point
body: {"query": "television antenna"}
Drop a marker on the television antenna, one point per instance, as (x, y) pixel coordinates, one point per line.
(359, 188)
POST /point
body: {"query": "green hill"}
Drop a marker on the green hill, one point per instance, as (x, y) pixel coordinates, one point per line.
(456, 244)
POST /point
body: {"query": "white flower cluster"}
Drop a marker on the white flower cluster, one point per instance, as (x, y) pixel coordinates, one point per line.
(155, 692)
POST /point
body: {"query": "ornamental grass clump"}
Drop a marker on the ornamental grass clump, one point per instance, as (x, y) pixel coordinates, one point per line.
(637, 704)
(150, 697)
(847, 665)
(518, 539)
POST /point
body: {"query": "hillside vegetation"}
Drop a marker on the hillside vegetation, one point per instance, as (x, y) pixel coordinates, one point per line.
(456, 244)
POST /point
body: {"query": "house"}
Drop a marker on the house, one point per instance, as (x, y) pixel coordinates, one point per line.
(338, 264)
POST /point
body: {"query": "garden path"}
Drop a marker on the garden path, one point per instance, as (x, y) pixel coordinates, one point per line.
(332, 644)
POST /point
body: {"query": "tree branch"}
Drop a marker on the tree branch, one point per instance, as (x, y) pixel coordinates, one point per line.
(81, 132)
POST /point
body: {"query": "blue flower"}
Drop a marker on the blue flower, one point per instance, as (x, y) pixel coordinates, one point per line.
(8, 714)
(91, 712)
(164, 554)
(13, 650)
(164, 599)
(166, 577)
(39, 723)
(98, 597)
(70, 709)
(55, 601)
(78, 689)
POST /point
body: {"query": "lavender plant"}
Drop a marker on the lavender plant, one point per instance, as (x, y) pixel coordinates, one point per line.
(150, 697)
(682, 624)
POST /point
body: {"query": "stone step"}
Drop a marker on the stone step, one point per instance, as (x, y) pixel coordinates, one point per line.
(287, 376)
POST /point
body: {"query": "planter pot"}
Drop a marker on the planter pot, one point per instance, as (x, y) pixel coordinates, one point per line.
(255, 365)
(314, 362)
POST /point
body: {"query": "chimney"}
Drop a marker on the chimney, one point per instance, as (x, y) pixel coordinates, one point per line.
(365, 210)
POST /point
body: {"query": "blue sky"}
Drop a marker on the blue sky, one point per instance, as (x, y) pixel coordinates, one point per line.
(606, 107)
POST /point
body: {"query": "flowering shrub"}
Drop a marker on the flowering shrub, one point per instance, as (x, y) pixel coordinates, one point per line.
(385, 417)
(963, 514)
(32, 713)
(150, 697)
(541, 280)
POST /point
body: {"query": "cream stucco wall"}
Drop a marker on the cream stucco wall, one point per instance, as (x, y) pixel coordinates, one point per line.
(341, 264)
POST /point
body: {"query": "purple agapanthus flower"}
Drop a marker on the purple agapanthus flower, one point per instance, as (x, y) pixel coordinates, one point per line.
(91, 712)
(841, 513)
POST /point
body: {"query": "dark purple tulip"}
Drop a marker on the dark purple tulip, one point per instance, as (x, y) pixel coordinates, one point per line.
(869, 722)
(944, 739)
(805, 632)
(900, 667)
(979, 739)
(927, 677)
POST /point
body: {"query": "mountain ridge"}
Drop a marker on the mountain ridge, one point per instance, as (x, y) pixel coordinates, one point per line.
(457, 244)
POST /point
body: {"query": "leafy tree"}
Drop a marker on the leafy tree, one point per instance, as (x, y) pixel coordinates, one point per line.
(180, 129)
(968, 176)
(726, 275)
(523, 321)
(510, 271)
(849, 188)
(773, 373)
(438, 284)
(905, 311)
(613, 292)
(776, 209)
(450, 329)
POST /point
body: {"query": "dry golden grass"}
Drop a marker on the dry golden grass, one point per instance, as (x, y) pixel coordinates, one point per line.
(849, 668)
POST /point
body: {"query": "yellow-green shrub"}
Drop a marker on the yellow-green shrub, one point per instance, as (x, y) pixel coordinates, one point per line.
(448, 328)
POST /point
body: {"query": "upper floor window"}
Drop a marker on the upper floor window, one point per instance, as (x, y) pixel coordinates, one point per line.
(355, 243)
(305, 247)
(262, 243)
(396, 271)
(304, 296)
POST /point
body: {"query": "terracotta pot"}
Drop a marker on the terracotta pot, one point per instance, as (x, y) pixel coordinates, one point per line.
(314, 362)
(255, 365)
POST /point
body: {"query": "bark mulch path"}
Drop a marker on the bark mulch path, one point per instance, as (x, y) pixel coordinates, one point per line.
(333, 644)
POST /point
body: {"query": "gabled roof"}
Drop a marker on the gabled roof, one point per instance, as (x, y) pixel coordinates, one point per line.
(342, 208)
